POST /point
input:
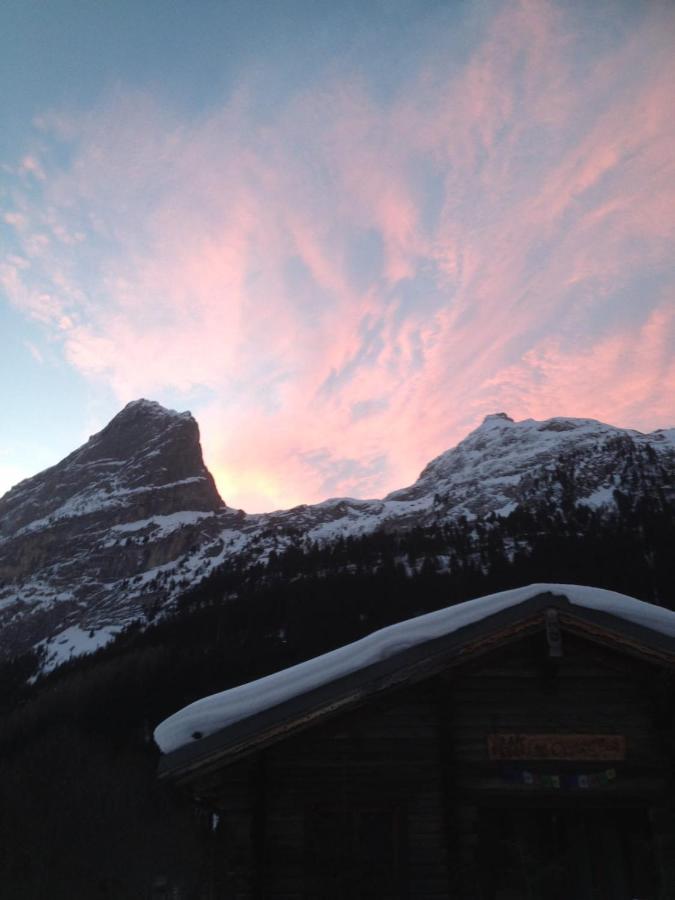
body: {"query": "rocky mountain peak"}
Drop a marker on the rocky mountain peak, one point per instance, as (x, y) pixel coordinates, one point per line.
(145, 429)
(135, 496)
(143, 448)
(496, 420)
(148, 413)
(503, 463)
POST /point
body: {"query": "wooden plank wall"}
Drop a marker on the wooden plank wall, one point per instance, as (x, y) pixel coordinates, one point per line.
(590, 690)
(416, 764)
(382, 761)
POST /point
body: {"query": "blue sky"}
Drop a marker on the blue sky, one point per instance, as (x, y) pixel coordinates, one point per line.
(340, 234)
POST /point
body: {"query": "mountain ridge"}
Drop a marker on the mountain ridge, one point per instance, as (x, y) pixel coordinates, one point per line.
(121, 527)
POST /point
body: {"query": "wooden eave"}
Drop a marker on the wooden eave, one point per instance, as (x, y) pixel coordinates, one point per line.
(409, 666)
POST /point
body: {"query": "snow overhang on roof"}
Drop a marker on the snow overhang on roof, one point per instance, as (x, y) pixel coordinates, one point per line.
(219, 729)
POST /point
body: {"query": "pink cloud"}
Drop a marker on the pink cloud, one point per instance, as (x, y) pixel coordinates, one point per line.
(524, 204)
(627, 378)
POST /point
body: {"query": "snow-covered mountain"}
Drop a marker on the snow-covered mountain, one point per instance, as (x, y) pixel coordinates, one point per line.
(73, 537)
(122, 526)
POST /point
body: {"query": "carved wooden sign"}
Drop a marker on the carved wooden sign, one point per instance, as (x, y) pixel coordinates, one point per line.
(557, 746)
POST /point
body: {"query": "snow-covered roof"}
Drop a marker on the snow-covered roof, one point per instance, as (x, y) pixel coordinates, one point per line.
(218, 711)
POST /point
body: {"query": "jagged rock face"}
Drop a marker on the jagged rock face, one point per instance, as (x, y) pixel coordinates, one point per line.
(125, 524)
(147, 459)
(72, 534)
(561, 462)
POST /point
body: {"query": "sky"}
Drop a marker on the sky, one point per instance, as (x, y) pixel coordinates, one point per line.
(339, 233)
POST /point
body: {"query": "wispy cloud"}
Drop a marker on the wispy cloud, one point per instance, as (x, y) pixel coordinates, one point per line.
(627, 377)
(357, 279)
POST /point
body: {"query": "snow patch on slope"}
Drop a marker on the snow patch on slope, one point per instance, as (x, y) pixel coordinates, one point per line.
(75, 641)
(162, 525)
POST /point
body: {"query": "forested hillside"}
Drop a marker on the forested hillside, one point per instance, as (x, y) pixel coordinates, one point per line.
(80, 808)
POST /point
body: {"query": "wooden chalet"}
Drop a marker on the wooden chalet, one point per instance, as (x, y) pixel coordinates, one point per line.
(528, 754)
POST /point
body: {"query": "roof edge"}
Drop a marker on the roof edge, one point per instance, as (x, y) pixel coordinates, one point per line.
(408, 666)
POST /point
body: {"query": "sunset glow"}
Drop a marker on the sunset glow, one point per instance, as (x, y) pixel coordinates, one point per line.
(369, 231)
